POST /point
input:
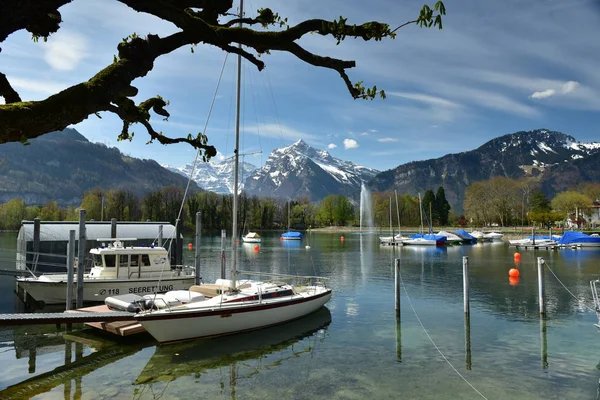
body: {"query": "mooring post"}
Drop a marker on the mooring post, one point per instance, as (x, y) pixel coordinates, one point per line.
(543, 342)
(160, 236)
(197, 252)
(397, 303)
(540, 265)
(81, 246)
(70, 269)
(397, 286)
(468, 340)
(113, 228)
(223, 236)
(466, 284)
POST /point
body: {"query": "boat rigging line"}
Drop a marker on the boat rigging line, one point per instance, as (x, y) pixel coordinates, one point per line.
(433, 343)
(563, 285)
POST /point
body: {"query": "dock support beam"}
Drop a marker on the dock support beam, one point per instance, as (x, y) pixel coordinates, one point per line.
(81, 246)
(197, 252)
(467, 309)
(540, 266)
(36, 241)
(70, 269)
(160, 236)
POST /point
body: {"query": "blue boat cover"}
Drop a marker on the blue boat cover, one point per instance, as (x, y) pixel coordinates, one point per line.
(437, 238)
(570, 237)
(292, 235)
(464, 234)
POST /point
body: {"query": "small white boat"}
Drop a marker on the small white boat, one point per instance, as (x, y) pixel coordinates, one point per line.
(117, 269)
(451, 238)
(251, 237)
(531, 242)
(493, 236)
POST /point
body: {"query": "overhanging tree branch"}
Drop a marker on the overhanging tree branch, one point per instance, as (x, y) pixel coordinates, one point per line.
(198, 21)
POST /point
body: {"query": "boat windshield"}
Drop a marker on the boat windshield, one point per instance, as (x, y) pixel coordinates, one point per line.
(97, 259)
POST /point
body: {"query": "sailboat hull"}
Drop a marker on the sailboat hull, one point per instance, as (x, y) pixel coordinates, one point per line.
(172, 326)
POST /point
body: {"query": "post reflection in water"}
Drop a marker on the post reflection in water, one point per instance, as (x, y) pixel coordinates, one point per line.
(468, 341)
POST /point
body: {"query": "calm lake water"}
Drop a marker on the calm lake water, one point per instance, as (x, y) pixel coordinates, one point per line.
(354, 348)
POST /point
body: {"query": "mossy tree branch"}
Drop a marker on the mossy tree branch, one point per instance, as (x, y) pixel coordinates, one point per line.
(199, 23)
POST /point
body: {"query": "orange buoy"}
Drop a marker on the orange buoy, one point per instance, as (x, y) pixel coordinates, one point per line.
(342, 238)
(513, 272)
(517, 256)
(190, 246)
(513, 280)
(256, 248)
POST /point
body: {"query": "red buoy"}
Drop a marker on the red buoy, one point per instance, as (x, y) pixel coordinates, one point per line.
(517, 256)
(256, 248)
(190, 246)
(513, 280)
(513, 272)
(342, 238)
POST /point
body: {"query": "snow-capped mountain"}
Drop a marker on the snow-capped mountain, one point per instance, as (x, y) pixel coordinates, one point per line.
(533, 153)
(300, 170)
(215, 176)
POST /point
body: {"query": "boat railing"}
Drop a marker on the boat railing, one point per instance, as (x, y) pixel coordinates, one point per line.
(304, 280)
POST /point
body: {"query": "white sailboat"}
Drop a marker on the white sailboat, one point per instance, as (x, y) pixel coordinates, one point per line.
(230, 305)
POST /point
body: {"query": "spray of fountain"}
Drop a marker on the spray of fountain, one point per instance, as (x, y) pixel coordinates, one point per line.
(366, 209)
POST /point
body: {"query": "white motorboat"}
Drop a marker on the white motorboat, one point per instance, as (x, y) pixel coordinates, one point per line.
(530, 241)
(117, 269)
(251, 237)
(451, 238)
(229, 306)
(493, 236)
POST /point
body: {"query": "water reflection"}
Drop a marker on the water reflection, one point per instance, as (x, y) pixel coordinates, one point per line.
(244, 354)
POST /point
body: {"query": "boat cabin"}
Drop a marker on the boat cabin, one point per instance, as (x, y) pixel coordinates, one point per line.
(116, 260)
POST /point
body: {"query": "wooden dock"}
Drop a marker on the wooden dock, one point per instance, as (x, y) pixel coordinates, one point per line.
(120, 323)
(119, 328)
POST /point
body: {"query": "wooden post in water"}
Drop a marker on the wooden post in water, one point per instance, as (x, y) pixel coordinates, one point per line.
(113, 228)
(540, 265)
(81, 246)
(466, 284)
(160, 236)
(223, 236)
(70, 269)
(197, 250)
(543, 342)
(397, 286)
(397, 306)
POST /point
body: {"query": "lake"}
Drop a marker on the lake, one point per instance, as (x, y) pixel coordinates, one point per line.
(355, 348)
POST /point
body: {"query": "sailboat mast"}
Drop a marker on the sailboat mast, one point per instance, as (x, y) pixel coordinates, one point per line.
(421, 214)
(236, 159)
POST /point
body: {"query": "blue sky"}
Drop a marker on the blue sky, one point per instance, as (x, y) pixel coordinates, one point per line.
(495, 68)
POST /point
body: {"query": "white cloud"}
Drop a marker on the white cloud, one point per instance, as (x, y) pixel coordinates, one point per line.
(387, 139)
(424, 98)
(565, 88)
(350, 144)
(569, 87)
(364, 133)
(65, 50)
(543, 94)
(37, 86)
(373, 130)
(331, 146)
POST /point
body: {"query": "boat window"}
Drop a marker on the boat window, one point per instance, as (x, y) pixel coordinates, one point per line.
(109, 260)
(97, 258)
(145, 260)
(123, 260)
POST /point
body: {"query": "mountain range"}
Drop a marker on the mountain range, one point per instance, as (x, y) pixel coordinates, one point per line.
(545, 154)
(63, 165)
